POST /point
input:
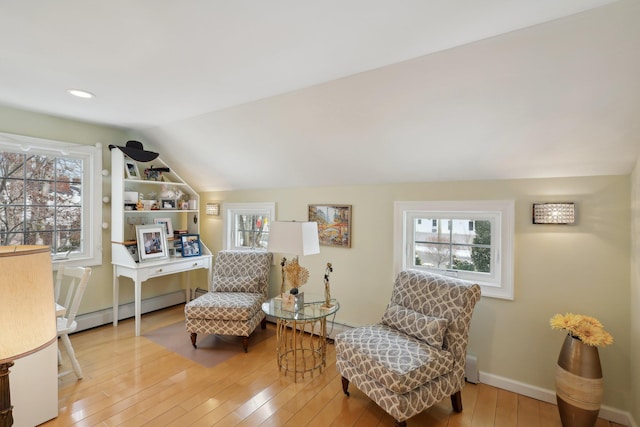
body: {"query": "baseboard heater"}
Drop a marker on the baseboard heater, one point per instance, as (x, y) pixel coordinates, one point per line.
(471, 372)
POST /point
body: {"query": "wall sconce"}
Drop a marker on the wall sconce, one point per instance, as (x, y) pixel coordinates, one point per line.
(213, 209)
(554, 213)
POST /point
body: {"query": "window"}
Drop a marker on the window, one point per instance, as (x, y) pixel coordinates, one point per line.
(470, 240)
(247, 225)
(50, 194)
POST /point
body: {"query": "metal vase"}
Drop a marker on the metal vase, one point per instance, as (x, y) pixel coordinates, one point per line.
(578, 383)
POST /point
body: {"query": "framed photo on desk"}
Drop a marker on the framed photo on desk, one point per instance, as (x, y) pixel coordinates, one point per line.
(190, 245)
(152, 242)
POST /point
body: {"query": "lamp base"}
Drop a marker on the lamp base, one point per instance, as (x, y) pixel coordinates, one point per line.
(6, 410)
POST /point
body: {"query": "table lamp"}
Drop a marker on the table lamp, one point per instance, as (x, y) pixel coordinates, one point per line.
(27, 311)
(296, 238)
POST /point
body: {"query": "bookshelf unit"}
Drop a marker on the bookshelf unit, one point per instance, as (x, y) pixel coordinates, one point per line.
(169, 192)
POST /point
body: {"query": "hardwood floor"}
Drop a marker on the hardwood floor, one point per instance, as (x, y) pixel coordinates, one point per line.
(131, 381)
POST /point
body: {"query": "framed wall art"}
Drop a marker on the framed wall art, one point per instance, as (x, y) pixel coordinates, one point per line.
(131, 169)
(334, 224)
(152, 242)
(168, 226)
(190, 245)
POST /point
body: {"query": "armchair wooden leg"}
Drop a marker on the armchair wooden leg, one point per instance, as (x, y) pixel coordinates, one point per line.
(193, 339)
(456, 401)
(345, 386)
(245, 343)
(263, 324)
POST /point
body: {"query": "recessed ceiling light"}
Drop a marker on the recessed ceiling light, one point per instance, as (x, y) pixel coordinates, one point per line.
(80, 93)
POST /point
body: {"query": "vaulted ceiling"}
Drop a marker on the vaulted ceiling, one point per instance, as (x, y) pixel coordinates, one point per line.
(249, 94)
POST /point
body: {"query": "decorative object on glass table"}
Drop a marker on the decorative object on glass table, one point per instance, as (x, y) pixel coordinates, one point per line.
(327, 288)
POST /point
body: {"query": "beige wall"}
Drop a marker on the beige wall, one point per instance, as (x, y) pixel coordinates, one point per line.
(582, 268)
(634, 355)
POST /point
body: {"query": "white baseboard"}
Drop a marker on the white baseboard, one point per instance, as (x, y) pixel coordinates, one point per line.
(549, 396)
(125, 311)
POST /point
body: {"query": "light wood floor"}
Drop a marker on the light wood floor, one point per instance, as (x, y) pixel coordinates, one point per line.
(131, 381)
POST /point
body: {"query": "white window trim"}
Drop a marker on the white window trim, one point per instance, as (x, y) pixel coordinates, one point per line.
(229, 210)
(92, 182)
(504, 288)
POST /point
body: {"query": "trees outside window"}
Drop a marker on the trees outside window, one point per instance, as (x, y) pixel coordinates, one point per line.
(46, 196)
(471, 240)
(247, 225)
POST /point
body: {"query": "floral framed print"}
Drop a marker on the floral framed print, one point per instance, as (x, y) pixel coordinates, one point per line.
(190, 245)
(334, 224)
(131, 169)
(152, 242)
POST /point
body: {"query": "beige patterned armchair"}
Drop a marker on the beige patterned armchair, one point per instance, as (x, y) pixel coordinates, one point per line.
(415, 356)
(234, 304)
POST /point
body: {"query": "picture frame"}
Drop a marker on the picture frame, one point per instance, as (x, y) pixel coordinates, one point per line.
(131, 169)
(168, 226)
(190, 245)
(152, 242)
(334, 224)
(168, 204)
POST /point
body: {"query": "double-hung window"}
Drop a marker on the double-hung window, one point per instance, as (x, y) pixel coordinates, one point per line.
(470, 240)
(50, 194)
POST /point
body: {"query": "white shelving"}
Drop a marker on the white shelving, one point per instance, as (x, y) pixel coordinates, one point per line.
(124, 221)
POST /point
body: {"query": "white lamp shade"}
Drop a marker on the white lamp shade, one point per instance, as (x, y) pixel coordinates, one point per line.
(292, 237)
(27, 305)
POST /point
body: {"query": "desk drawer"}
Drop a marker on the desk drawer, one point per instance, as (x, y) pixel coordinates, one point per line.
(179, 266)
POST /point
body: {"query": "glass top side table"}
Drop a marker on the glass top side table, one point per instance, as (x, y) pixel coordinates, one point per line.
(301, 336)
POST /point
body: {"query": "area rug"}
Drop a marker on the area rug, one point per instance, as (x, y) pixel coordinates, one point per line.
(212, 349)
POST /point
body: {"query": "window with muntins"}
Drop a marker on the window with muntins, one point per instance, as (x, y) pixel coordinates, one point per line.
(247, 225)
(470, 240)
(50, 194)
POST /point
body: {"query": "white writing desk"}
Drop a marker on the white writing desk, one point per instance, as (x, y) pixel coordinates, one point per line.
(141, 272)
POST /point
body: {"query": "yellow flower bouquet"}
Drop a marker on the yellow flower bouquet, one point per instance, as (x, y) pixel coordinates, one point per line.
(587, 329)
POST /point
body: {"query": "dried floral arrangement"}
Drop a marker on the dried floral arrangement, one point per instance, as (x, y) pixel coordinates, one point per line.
(587, 329)
(295, 274)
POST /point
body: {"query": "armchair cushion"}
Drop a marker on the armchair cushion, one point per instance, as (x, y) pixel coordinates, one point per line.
(224, 306)
(426, 328)
(397, 361)
(237, 284)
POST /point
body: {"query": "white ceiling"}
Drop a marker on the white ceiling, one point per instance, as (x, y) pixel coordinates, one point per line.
(249, 94)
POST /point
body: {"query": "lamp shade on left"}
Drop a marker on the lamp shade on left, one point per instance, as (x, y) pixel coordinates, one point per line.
(27, 305)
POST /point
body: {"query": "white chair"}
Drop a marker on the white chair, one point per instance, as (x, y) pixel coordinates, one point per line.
(74, 281)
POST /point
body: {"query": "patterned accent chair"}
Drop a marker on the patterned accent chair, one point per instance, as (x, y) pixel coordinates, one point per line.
(234, 304)
(415, 356)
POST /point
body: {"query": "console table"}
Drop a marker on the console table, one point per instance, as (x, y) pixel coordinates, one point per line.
(143, 271)
(301, 336)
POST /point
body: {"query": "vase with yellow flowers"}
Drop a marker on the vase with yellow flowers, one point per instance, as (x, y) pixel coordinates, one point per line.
(578, 373)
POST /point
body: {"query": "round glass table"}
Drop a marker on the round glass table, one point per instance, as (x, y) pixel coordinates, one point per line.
(301, 335)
